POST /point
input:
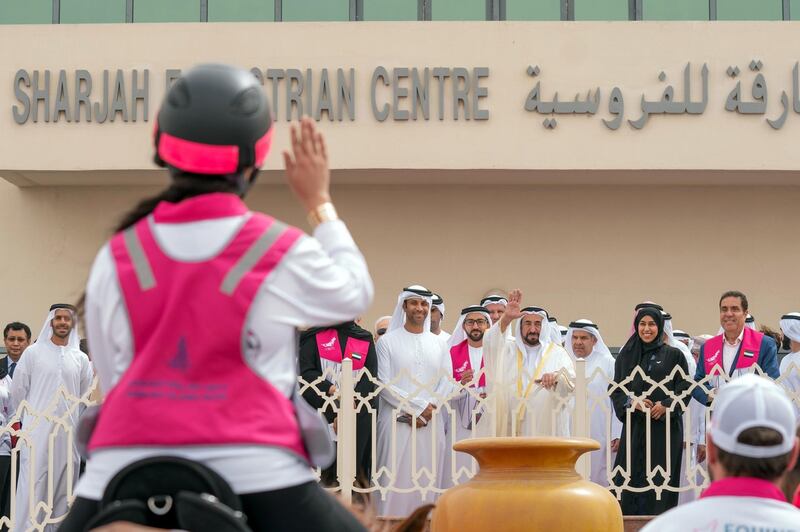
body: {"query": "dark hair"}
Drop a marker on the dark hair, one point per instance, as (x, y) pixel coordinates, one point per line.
(183, 186)
(17, 326)
(786, 345)
(763, 468)
(735, 293)
(775, 335)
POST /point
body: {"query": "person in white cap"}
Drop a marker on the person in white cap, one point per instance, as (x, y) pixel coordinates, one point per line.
(52, 370)
(530, 378)
(437, 315)
(751, 444)
(583, 340)
(790, 365)
(413, 371)
(463, 417)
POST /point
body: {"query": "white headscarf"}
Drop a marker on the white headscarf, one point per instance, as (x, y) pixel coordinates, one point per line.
(674, 342)
(459, 334)
(399, 315)
(380, 320)
(545, 336)
(46, 333)
(438, 303)
(563, 333)
(494, 299)
(677, 333)
(555, 330)
(790, 325)
(586, 325)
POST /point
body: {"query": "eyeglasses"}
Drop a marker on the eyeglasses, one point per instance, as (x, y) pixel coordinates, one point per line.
(381, 332)
(481, 322)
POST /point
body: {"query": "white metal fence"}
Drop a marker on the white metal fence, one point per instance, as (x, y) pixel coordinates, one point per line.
(431, 468)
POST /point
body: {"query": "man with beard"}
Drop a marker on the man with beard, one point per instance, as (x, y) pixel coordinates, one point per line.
(412, 370)
(461, 419)
(529, 377)
(51, 376)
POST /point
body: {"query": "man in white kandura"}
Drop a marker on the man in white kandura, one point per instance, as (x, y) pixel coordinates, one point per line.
(529, 378)
(584, 341)
(55, 362)
(464, 415)
(414, 374)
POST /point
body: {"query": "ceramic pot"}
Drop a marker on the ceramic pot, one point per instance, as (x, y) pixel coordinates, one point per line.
(527, 484)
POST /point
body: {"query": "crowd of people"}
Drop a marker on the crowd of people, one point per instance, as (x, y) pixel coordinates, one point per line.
(509, 370)
(506, 370)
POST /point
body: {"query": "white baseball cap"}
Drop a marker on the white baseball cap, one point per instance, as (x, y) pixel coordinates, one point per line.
(747, 402)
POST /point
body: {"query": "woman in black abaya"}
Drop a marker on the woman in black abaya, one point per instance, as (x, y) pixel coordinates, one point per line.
(639, 402)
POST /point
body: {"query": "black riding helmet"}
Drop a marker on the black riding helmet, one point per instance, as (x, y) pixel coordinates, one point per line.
(214, 121)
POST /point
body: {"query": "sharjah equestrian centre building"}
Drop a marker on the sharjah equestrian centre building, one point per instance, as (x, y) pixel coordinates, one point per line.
(594, 153)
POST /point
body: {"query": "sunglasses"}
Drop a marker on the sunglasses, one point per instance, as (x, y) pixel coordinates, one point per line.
(382, 331)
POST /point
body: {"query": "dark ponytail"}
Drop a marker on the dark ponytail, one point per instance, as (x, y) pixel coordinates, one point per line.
(183, 186)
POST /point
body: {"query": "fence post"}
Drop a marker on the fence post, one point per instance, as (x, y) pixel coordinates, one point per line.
(580, 428)
(346, 432)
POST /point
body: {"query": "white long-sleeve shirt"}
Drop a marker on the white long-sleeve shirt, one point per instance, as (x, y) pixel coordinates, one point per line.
(321, 281)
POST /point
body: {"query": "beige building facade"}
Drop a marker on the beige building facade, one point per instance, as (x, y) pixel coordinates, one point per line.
(455, 166)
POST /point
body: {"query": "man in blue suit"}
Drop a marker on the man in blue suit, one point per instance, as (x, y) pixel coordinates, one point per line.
(738, 350)
(16, 337)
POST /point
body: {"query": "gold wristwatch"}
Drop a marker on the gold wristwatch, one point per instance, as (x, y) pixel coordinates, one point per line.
(322, 213)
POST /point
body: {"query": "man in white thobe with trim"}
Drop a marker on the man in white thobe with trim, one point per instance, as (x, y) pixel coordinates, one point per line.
(530, 378)
(51, 377)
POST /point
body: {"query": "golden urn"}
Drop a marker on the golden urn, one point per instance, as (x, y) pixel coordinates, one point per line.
(527, 484)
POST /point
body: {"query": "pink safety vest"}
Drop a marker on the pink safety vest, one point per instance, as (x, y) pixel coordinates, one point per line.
(330, 348)
(748, 351)
(459, 356)
(188, 383)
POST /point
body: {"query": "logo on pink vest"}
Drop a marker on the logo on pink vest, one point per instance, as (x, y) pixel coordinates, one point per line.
(188, 383)
(329, 348)
(748, 351)
(459, 356)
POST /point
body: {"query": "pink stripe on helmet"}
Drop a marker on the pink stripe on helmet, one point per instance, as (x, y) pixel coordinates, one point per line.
(200, 158)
